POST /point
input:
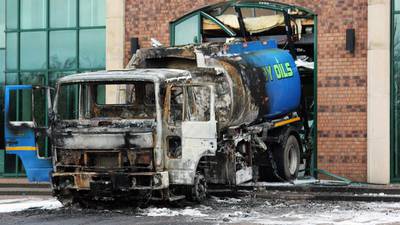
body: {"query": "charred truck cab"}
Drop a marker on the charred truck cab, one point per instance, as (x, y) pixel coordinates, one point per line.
(112, 148)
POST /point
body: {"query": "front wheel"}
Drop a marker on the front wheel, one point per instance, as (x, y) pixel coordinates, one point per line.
(199, 188)
(287, 159)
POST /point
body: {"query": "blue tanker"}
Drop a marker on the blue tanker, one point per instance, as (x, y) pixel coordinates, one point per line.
(263, 82)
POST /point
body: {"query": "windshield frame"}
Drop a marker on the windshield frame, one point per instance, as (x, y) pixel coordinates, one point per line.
(60, 85)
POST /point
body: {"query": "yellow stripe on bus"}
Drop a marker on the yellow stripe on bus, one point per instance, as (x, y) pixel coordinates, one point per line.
(21, 148)
(282, 123)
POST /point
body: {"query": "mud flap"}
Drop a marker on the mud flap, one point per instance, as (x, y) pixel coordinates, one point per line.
(20, 140)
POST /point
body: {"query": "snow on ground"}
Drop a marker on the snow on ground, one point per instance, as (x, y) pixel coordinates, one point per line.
(188, 211)
(239, 211)
(20, 204)
(364, 213)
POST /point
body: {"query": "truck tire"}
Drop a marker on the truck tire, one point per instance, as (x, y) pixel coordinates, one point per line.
(287, 158)
(199, 189)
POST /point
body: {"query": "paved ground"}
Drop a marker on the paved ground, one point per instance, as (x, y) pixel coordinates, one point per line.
(245, 210)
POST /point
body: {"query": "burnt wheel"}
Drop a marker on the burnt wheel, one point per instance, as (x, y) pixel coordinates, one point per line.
(199, 189)
(287, 159)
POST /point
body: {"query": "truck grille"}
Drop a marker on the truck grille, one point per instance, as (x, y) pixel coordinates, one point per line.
(103, 160)
(126, 159)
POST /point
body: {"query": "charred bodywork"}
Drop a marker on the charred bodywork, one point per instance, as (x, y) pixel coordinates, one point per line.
(205, 124)
(225, 112)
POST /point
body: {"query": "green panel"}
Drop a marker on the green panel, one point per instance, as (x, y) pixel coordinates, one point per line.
(53, 77)
(33, 50)
(33, 14)
(2, 24)
(26, 106)
(92, 13)
(396, 96)
(187, 31)
(2, 80)
(396, 5)
(101, 94)
(2, 67)
(62, 13)
(11, 162)
(67, 102)
(63, 50)
(92, 51)
(12, 51)
(12, 14)
(11, 79)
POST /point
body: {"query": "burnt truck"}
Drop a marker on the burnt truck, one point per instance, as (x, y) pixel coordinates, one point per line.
(175, 122)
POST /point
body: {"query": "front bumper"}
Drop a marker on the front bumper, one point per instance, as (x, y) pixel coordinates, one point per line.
(109, 182)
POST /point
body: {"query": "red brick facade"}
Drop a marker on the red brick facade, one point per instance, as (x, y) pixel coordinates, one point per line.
(342, 76)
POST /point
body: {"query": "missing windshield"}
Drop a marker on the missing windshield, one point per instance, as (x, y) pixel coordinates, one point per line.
(130, 100)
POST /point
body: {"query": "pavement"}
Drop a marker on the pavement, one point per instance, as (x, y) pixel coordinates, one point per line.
(307, 189)
(216, 210)
(22, 187)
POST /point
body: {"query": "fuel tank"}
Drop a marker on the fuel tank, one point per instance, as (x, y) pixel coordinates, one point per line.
(255, 81)
(262, 82)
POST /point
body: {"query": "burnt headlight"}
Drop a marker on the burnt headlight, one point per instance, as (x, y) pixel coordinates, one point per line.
(140, 157)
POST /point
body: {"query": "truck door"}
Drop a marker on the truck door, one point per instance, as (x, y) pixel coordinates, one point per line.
(20, 136)
(199, 127)
(191, 129)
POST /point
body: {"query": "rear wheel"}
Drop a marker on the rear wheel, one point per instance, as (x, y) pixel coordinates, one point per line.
(287, 158)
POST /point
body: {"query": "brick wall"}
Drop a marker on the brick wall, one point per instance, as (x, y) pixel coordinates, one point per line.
(342, 77)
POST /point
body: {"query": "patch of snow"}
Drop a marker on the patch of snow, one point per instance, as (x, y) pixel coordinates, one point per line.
(282, 184)
(364, 214)
(227, 200)
(172, 212)
(15, 205)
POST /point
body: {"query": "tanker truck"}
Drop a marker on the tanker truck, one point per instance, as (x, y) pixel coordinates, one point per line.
(229, 117)
(175, 123)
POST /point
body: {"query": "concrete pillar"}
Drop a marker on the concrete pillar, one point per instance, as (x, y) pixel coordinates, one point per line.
(379, 14)
(115, 42)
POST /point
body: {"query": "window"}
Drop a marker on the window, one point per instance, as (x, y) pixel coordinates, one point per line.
(63, 49)
(2, 24)
(42, 39)
(33, 50)
(62, 13)
(187, 31)
(396, 92)
(12, 14)
(92, 13)
(133, 100)
(198, 108)
(33, 14)
(12, 51)
(92, 51)
(176, 105)
(2, 65)
(66, 102)
(26, 105)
